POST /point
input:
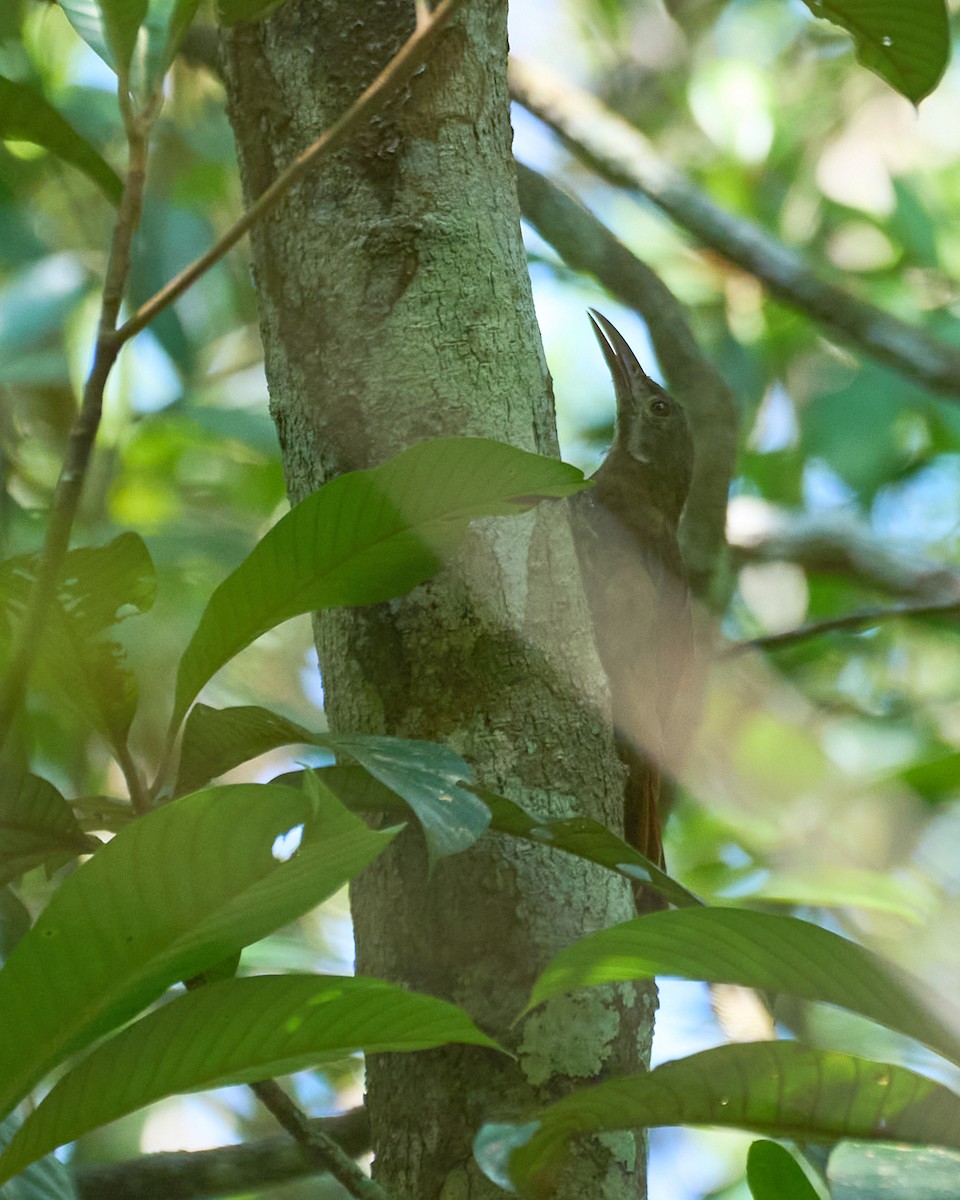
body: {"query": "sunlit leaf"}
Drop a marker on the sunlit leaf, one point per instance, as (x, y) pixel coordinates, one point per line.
(37, 825)
(906, 44)
(234, 1032)
(109, 27)
(426, 775)
(759, 950)
(174, 892)
(780, 1089)
(25, 115)
(365, 537)
(774, 1174)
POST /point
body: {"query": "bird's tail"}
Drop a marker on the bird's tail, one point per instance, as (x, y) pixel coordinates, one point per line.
(641, 822)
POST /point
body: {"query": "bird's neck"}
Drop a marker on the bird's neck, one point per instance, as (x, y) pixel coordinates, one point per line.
(639, 493)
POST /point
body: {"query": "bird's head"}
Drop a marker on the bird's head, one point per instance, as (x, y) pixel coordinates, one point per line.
(651, 427)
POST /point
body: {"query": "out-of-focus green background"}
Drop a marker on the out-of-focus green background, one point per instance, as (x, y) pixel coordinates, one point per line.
(828, 774)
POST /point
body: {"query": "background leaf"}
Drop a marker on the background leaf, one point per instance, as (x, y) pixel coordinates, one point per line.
(759, 950)
(37, 826)
(176, 891)
(26, 115)
(365, 537)
(47, 1179)
(774, 1174)
(235, 1032)
(777, 1088)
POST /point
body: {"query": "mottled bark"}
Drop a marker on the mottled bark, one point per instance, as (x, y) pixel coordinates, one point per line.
(396, 306)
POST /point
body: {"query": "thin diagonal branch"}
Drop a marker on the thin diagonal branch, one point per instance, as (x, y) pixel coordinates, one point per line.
(83, 433)
(319, 1146)
(225, 1171)
(621, 154)
(408, 59)
(862, 619)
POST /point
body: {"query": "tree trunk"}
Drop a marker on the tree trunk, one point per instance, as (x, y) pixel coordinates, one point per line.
(395, 306)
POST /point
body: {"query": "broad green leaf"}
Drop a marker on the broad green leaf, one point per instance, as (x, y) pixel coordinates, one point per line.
(14, 921)
(174, 892)
(44, 1180)
(364, 537)
(98, 587)
(25, 115)
(580, 836)
(780, 1089)
(235, 1032)
(907, 44)
(426, 775)
(37, 825)
(758, 950)
(587, 839)
(137, 38)
(869, 1172)
(774, 1174)
(109, 27)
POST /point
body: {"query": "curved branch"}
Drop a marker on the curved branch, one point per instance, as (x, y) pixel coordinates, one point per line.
(851, 621)
(621, 154)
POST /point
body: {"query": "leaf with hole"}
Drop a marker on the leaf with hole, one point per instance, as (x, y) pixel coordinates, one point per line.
(424, 774)
(174, 892)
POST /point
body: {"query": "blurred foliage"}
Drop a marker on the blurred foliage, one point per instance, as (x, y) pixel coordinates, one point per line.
(829, 779)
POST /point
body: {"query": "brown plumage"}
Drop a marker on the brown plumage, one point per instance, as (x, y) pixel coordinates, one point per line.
(634, 578)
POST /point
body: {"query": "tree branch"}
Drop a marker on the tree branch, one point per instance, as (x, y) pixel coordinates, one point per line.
(227, 1171)
(621, 154)
(394, 75)
(855, 620)
(318, 1146)
(586, 244)
(83, 433)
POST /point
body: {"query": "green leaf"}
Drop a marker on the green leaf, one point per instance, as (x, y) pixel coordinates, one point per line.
(98, 587)
(869, 1172)
(426, 775)
(587, 839)
(908, 45)
(44, 1180)
(774, 1174)
(174, 892)
(25, 115)
(365, 537)
(37, 825)
(136, 38)
(14, 921)
(780, 1089)
(753, 949)
(235, 1032)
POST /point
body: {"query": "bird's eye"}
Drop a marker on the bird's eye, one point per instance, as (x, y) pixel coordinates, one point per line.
(659, 408)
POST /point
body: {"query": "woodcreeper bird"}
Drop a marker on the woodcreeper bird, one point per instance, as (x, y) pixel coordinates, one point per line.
(633, 574)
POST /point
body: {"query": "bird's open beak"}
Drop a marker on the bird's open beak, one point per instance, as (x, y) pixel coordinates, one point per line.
(624, 367)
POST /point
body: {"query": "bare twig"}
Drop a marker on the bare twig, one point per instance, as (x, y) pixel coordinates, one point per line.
(620, 153)
(319, 1146)
(855, 620)
(84, 431)
(226, 1171)
(839, 544)
(586, 244)
(408, 59)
